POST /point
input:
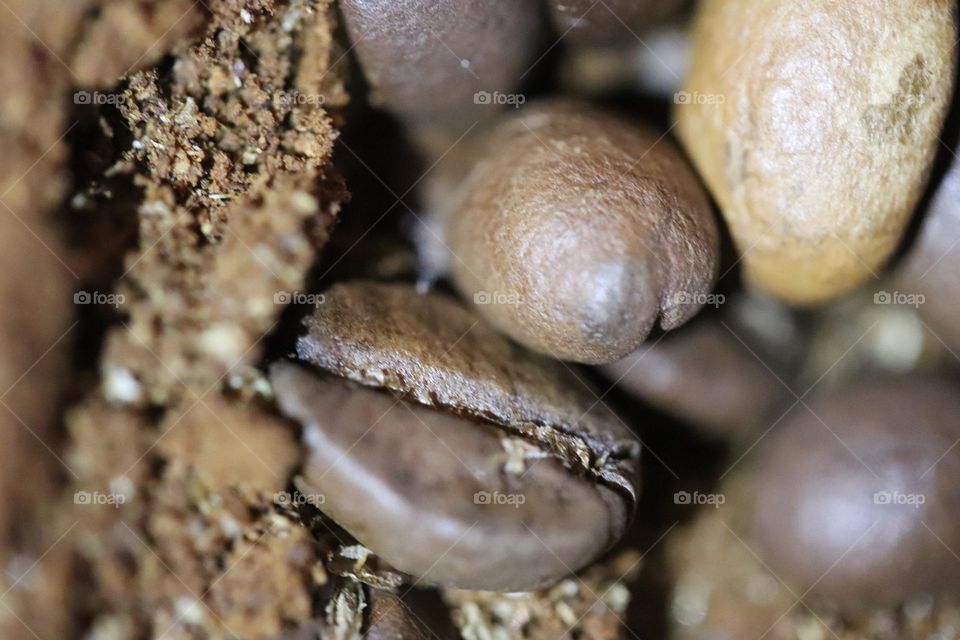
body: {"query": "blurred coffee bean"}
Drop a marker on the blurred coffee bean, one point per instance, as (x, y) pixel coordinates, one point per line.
(854, 500)
(444, 64)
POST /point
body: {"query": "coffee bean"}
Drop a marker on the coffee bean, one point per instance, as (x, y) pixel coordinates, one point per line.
(856, 497)
(707, 376)
(576, 230)
(420, 418)
(815, 130)
(443, 63)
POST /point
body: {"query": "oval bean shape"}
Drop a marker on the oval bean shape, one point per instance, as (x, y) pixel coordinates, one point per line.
(440, 62)
(856, 498)
(600, 23)
(576, 230)
(426, 491)
(705, 375)
(421, 418)
(815, 129)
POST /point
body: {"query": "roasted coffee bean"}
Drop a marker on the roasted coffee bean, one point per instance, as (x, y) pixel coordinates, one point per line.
(444, 63)
(576, 230)
(855, 499)
(815, 128)
(708, 376)
(451, 453)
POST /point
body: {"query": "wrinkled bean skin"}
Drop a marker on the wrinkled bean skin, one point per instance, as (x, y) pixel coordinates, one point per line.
(815, 129)
(835, 497)
(405, 481)
(411, 53)
(575, 231)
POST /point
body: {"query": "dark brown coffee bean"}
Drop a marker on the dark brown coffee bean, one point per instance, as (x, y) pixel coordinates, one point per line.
(467, 461)
(856, 498)
(433, 350)
(427, 491)
(443, 63)
(576, 230)
(704, 375)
